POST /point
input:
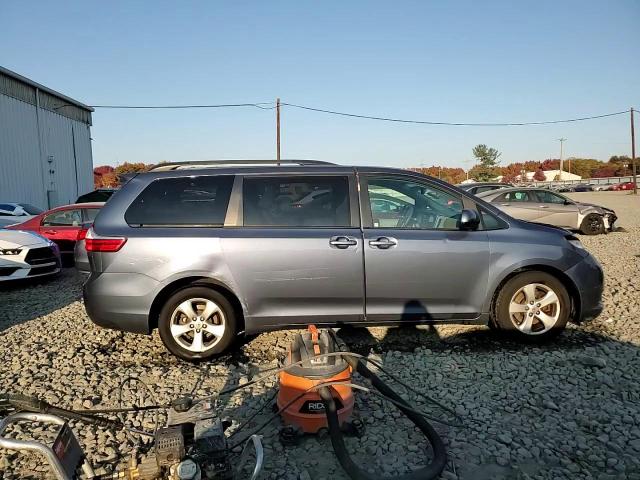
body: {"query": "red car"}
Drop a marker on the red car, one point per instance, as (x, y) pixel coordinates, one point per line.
(626, 186)
(62, 224)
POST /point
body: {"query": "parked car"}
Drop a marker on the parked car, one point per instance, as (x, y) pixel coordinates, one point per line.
(11, 213)
(99, 195)
(625, 186)
(26, 255)
(480, 187)
(582, 187)
(599, 187)
(205, 254)
(62, 224)
(544, 206)
(80, 256)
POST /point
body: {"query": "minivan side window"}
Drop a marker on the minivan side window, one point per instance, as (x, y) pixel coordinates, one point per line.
(182, 202)
(400, 203)
(288, 201)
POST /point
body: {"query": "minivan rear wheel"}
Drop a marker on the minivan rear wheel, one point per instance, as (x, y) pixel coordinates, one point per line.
(197, 323)
(533, 306)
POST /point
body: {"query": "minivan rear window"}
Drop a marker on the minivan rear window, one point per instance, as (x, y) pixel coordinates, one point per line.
(308, 201)
(182, 202)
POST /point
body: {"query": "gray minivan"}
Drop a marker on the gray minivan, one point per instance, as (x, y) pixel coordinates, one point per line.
(205, 251)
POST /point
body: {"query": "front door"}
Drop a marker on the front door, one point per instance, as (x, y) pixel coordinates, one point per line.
(559, 210)
(296, 258)
(418, 264)
(62, 227)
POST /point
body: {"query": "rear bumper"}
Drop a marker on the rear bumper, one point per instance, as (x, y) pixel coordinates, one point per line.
(120, 301)
(588, 278)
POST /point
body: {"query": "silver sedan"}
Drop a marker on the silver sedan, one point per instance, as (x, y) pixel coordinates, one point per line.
(543, 206)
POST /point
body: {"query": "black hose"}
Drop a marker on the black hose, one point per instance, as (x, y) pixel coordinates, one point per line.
(429, 471)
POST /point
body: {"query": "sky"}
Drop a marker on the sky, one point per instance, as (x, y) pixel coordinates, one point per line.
(451, 61)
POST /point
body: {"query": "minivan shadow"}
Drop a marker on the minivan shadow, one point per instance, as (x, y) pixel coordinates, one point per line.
(24, 300)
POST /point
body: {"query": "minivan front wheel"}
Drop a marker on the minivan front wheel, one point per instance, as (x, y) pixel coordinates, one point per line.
(533, 306)
(197, 323)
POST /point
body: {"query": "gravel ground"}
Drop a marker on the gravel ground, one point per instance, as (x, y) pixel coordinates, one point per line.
(569, 409)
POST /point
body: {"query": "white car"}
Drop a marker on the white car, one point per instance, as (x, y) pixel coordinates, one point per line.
(27, 255)
(11, 213)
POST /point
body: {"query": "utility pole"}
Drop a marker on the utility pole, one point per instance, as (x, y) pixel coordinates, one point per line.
(633, 155)
(561, 140)
(278, 130)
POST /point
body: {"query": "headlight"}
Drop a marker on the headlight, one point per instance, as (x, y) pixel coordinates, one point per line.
(10, 251)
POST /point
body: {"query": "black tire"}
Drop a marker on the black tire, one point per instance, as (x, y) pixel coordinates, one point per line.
(226, 318)
(592, 224)
(510, 322)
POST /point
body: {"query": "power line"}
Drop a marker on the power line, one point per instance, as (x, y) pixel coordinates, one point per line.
(271, 106)
(455, 124)
(223, 105)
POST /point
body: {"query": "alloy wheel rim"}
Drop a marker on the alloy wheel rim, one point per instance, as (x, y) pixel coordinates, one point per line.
(594, 224)
(534, 309)
(197, 324)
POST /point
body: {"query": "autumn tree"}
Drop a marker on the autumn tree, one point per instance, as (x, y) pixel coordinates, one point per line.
(550, 164)
(104, 177)
(448, 174)
(487, 167)
(604, 172)
(539, 175)
(512, 172)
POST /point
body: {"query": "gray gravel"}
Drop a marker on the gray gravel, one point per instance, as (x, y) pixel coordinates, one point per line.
(569, 409)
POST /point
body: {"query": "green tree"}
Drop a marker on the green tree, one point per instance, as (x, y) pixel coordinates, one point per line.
(487, 167)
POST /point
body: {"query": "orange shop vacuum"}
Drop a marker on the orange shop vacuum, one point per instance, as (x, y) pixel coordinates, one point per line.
(316, 396)
(298, 399)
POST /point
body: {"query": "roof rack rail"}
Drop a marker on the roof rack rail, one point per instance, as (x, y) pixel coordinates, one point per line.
(164, 167)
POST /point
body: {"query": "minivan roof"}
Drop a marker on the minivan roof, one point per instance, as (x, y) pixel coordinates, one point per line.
(170, 166)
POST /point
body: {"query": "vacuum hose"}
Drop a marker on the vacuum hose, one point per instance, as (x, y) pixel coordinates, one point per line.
(429, 471)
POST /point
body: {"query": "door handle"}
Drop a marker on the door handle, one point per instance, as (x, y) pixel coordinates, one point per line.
(342, 242)
(505, 204)
(51, 232)
(383, 243)
(543, 206)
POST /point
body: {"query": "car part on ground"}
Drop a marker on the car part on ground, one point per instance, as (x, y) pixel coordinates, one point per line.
(26, 255)
(192, 446)
(284, 247)
(543, 206)
(62, 225)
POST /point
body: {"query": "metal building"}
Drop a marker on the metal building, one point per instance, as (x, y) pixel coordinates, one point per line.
(45, 144)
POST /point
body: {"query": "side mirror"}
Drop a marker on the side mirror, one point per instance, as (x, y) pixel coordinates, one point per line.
(568, 202)
(469, 220)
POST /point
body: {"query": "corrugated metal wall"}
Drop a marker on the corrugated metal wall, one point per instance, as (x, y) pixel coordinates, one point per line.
(20, 172)
(47, 178)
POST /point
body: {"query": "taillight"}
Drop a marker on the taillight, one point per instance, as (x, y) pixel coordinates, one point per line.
(102, 244)
(82, 234)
